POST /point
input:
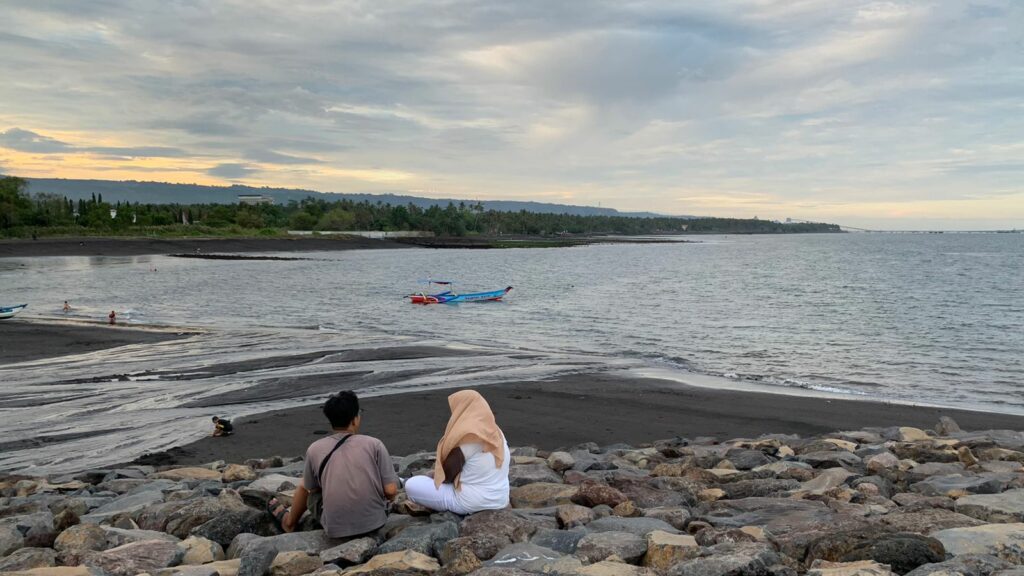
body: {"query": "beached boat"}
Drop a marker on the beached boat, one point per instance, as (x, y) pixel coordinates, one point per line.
(451, 297)
(9, 311)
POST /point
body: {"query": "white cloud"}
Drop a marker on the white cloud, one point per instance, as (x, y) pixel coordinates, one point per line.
(787, 105)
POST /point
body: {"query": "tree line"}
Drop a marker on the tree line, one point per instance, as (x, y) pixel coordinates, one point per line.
(24, 215)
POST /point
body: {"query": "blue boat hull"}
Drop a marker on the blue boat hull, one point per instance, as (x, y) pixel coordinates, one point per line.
(9, 311)
(450, 298)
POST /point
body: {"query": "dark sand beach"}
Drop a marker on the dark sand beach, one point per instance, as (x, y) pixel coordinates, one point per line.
(22, 340)
(142, 246)
(599, 408)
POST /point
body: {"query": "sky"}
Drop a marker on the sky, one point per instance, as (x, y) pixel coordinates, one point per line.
(882, 115)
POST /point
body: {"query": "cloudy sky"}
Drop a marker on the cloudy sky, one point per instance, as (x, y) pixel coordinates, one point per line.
(874, 114)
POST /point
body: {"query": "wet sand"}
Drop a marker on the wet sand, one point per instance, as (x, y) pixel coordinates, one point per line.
(22, 340)
(599, 408)
(140, 246)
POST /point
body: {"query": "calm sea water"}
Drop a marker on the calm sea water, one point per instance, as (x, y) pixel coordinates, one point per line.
(933, 319)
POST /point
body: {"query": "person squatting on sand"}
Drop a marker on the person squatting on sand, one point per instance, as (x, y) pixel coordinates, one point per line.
(222, 427)
(348, 480)
(471, 471)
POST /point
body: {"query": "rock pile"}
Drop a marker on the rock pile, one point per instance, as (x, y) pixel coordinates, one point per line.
(872, 502)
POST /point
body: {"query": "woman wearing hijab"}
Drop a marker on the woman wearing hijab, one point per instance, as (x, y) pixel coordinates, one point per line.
(471, 472)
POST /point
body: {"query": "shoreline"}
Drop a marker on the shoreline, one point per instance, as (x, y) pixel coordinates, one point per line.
(133, 246)
(28, 339)
(601, 408)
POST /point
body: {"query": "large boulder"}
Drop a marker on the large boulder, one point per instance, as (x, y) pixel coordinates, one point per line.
(81, 538)
(295, 564)
(1005, 541)
(135, 558)
(858, 568)
(639, 526)
(924, 521)
(541, 495)
(188, 473)
(793, 523)
(424, 538)
(665, 550)
(602, 545)
(530, 558)
(747, 559)
(902, 551)
(27, 559)
(592, 494)
(504, 524)
(965, 565)
(350, 553)
(405, 562)
(1005, 507)
(26, 531)
(521, 475)
(956, 484)
(199, 550)
(563, 541)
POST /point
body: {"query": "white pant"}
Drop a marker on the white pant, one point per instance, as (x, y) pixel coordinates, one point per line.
(421, 490)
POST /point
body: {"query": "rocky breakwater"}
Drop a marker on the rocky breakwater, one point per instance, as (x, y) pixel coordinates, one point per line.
(872, 502)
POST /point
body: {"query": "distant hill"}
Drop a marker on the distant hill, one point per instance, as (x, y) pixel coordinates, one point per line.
(164, 193)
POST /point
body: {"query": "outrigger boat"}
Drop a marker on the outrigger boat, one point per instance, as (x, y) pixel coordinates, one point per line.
(450, 297)
(10, 311)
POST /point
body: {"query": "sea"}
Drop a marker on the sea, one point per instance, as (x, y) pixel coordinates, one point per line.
(935, 319)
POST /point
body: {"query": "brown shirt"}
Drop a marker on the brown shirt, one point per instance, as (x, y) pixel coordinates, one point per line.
(352, 484)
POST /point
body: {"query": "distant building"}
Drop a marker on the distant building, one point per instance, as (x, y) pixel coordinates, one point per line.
(255, 199)
(113, 213)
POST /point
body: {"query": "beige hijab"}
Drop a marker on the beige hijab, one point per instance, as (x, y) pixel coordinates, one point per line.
(471, 421)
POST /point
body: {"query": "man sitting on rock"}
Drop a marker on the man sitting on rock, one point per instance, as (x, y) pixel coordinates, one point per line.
(349, 477)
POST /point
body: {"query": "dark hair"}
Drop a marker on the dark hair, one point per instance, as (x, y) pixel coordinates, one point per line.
(215, 418)
(342, 408)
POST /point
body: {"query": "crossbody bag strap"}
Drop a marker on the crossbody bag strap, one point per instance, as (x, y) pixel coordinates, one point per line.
(323, 464)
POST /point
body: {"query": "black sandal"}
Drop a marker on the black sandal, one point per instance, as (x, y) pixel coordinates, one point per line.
(277, 510)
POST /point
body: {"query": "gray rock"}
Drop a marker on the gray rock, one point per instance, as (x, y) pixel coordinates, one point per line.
(641, 526)
(564, 541)
(119, 536)
(256, 558)
(929, 469)
(924, 521)
(947, 426)
(676, 516)
(350, 553)
(743, 559)
(311, 542)
(525, 556)
(199, 511)
(522, 474)
(424, 538)
(793, 523)
(26, 531)
(744, 459)
(755, 488)
(984, 483)
(132, 501)
(503, 523)
(832, 459)
(223, 528)
(1003, 540)
(135, 558)
(27, 559)
(598, 546)
(902, 551)
(966, 565)
(1005, 507)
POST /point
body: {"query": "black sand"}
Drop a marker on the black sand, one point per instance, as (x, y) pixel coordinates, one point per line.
(22, 340)
(586, 408)
(140, 246)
